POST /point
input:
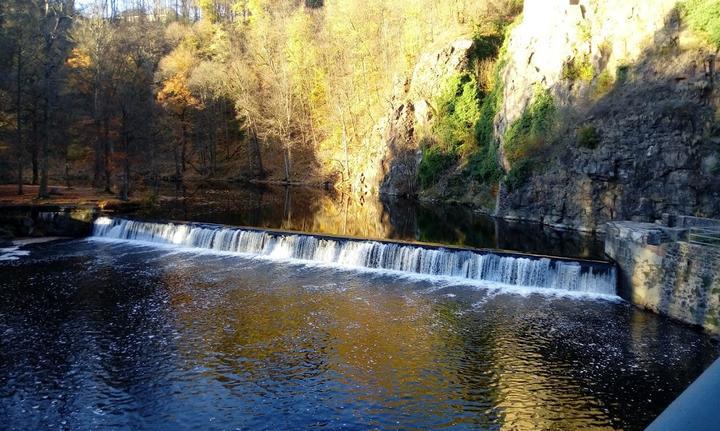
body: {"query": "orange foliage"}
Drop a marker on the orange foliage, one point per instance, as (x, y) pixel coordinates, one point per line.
(175, 95)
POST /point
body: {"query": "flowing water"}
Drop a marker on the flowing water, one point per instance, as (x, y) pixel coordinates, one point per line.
(186, 326)
(565, 276)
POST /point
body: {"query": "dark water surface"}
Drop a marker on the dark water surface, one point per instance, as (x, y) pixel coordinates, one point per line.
(102, 335)
(319, 211)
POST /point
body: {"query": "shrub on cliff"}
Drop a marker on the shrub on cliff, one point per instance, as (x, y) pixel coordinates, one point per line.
(533, 129)
(518, 174)
(466, 110)
(483, 163)
(703, 16)
(458, 109)
(588, 137)
(434, 162)
(578, 69)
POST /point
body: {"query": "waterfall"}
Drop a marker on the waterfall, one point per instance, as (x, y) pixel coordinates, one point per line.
(480, 265)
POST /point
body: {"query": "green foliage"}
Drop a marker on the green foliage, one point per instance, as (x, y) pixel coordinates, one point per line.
(588, 137)
(465, 117)
(486, 46)
(623, 72)
(533, 129)
(604, 84)
(578, 69)
(519, 173)
(434, 162)
(458, 110)
(585, 31)
(77, 151)
(483, 164)
(703, 16)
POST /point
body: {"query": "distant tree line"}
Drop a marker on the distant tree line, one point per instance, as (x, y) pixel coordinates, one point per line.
(122, 94)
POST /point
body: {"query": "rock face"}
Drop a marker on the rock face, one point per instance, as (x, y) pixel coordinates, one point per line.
(22, 221)
(652, 157)
(396, 138)
(555, 35)
(657, 143)
(627, 73)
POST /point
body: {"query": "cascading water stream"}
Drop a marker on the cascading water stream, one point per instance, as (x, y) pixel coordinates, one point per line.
(514, 270)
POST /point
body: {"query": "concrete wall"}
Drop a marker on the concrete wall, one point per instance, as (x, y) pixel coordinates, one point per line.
(660, 271)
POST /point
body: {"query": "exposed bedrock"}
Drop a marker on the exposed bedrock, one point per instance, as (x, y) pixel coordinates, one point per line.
(636, 102)
(393, 165)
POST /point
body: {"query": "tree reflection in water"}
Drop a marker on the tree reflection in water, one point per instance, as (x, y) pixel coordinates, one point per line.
(329, 212)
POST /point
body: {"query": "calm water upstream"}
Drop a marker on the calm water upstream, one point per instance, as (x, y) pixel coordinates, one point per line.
(97, 334)
(318, 211)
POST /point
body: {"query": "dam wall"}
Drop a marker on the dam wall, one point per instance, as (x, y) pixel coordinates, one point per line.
(495, 267)
(672, 268)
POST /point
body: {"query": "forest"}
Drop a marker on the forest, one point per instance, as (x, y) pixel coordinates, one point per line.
(125, 94)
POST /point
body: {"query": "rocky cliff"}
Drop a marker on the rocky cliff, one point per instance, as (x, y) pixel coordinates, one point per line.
(392, 166)
(637, 103)
(606, 110)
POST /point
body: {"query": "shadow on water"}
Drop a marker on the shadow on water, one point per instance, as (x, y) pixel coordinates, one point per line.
(331, 212)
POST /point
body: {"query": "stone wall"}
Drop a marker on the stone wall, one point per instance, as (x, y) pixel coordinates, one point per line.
(662, 272)
(36, 221)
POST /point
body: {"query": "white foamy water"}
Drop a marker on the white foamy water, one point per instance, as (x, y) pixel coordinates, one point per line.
(513, 270)
(12, 253)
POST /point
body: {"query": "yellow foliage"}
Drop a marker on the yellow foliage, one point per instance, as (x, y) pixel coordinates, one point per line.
(79, 59)
(179, 61)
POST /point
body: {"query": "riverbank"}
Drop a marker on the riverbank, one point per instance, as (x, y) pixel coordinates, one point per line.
(68, 211)
(59, 196)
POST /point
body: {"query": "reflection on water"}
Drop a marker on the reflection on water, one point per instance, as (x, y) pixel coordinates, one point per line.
(100, 335)
(319, 211)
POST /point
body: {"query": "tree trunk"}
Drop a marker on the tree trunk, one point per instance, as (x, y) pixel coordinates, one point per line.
(18, 127)
(257, 155)
(67, 173)
(19, 175)
(107, 147)
(35, 150)
(125, 189)
(287, 164)
(126, 179)
(47, 98)
(97, 172)
(154, 170)
(178, 168)
(183, 143)
(45, 149)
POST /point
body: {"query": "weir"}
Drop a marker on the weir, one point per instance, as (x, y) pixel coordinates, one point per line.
(514, 269)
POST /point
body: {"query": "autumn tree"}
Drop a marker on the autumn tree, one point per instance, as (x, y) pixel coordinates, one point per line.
(92, 70)
(266, 90)
(54, 27)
